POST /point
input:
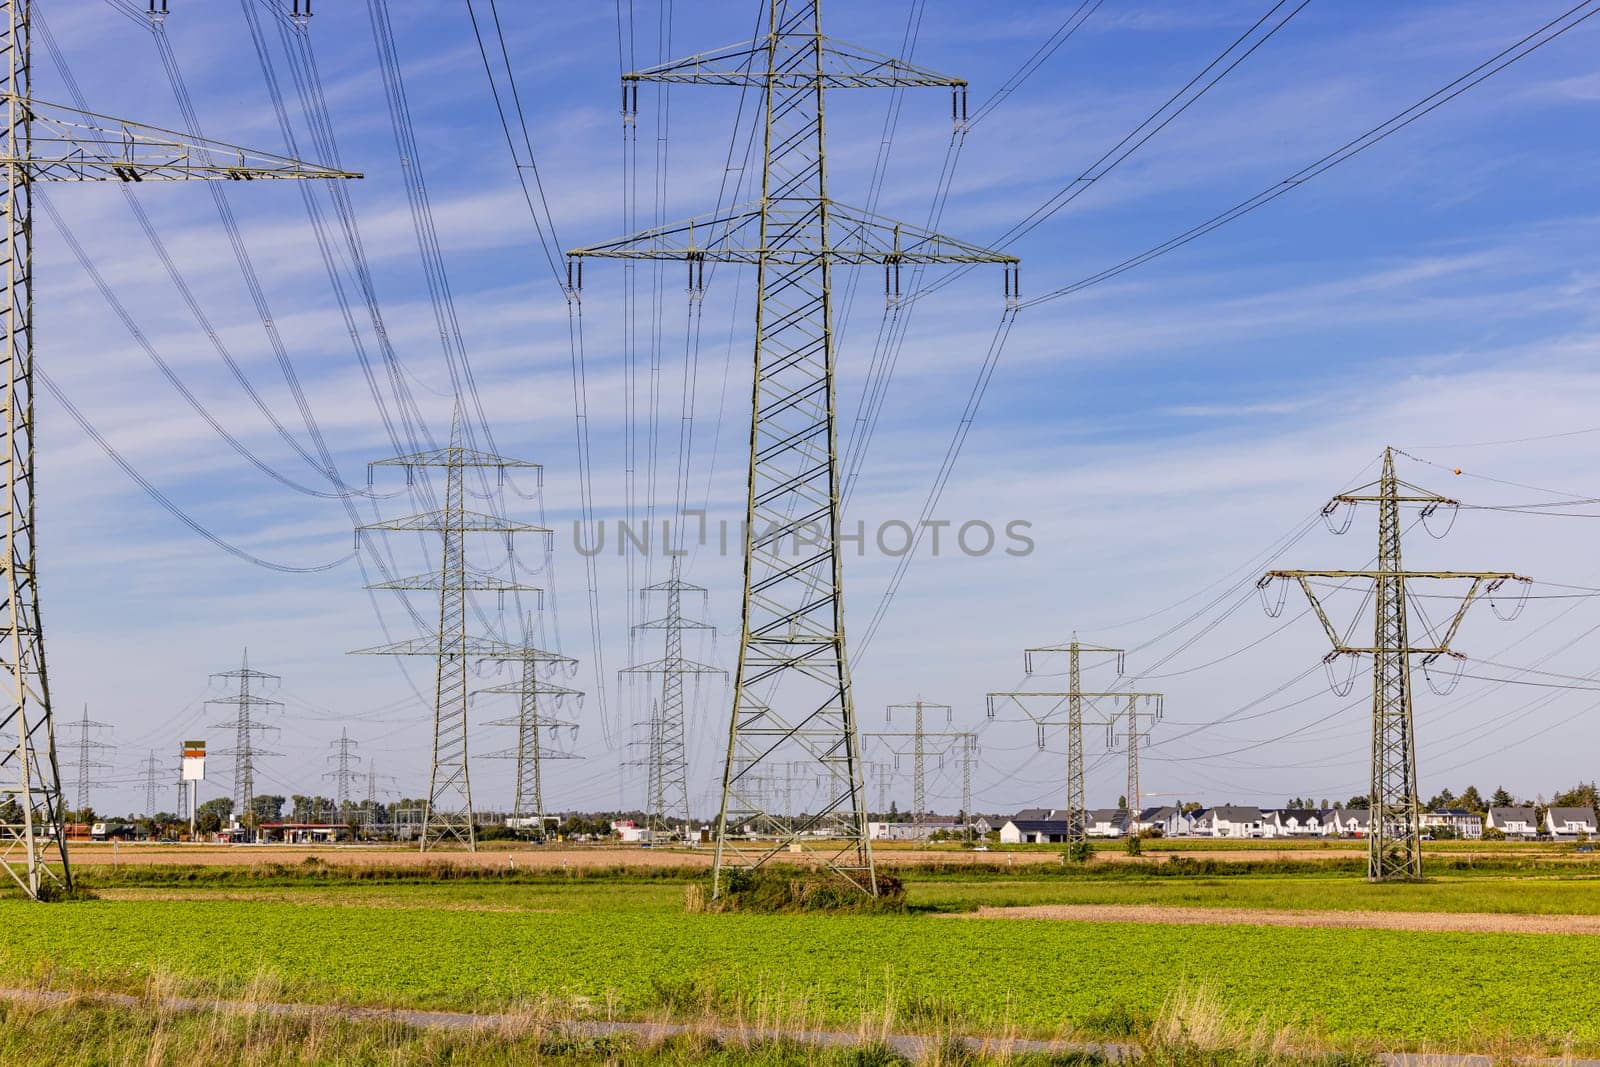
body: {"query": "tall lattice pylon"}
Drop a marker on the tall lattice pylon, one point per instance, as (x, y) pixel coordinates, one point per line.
(1072, 701)
(667, 758)
(1394, 840)
(930, 744)
(1135, 722)
(537, 722)
(449, 812)
(344, 759)
(792, 696)
(152, 784)
(89, 748)
(247, 703)
(40, 141)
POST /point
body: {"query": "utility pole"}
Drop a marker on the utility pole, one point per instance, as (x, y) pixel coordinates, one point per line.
(668, 758)
(1073, 697)
(1394, 847)
(792, 695)
(88, 746)
(449, 811)
(49, 142)
(343, 773)
(152, 784)
(536, 698)
(244, 725)
(1133, 735)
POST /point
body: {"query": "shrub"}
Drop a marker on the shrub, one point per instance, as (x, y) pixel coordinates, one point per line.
(771, 890)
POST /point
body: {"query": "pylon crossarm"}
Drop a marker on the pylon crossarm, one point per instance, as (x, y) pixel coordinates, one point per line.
(671, 666)
(72, 145)
(456, 456)
(475, 580)
(855, 236)
(457, 519)
(843, 66)
(473, 647)
(1507, 576)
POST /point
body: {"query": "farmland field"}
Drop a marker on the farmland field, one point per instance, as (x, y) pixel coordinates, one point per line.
(623, 946)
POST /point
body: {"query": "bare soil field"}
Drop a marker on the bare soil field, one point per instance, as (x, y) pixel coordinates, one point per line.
(501, 854)
(1433, 921)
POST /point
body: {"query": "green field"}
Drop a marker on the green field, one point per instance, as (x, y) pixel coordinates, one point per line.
(625, 947)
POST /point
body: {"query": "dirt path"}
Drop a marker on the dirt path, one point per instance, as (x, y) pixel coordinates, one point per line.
(1443, 921)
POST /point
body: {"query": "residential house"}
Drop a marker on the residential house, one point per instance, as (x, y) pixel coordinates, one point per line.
(1567, 823)
(1466, 825)
(1171, 821)
(1293, 822)
(1033, 831)
(1514, 822)
(1230, 820)
(1349, 822)
(1106, 822)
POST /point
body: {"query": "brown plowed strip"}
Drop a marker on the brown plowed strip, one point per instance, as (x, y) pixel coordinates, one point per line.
(1461, 922)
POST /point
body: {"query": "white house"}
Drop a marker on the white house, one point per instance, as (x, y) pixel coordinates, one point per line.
(1349, 822)
(1105, 822)
(1464, 824)
(1171, 821)
(1292, 822)
(1034, 826)
(1230, 820)
(1514, 822)
(1568, 823)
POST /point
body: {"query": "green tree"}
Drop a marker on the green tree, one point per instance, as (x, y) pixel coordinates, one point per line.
(1501, 798)
(266, 807)
(1581, 795)
(1359, 802)
(1472, 800)
(211, 814)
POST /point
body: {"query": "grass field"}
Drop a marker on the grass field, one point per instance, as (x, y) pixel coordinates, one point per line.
(622, 946)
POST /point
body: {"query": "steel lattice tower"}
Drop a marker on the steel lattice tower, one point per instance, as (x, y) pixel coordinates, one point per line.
(449, 812)
(1394, 847)
(946, 743)
(343, 772)
(537, 697)
(88, 767)
(668, 757)
(792, 696)
(244, 725)
(40, 141)
(182, 809)
(152, 783)
(1133, 735)
(1077, 835)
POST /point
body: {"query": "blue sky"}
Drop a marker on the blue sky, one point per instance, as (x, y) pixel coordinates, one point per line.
(1160, 431)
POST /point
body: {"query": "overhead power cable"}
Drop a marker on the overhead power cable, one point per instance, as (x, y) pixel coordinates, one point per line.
(1520, 49)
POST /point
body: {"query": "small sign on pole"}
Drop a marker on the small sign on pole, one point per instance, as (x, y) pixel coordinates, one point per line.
(194, 761)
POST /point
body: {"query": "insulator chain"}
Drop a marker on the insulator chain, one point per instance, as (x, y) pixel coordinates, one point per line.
(1455, 676)
(630, 102)
(574, 286)
(1516, 608)
(1455, 509)
(1331, 510)
(1340, 689)
(1272, 608)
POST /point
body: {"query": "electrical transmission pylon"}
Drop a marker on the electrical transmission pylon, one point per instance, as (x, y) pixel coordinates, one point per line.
(537, 699)
(152, 784)
(88, 746)
(668, 758)
(449, 812)
(40, 141)
(344, 772)
(943, 744)
(182, 810)
(1077, 810)
(792, 696)
(1132, 736)
(245, 725)
(1394, 848)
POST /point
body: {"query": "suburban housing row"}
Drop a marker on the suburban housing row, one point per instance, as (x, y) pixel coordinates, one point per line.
(1049, 825)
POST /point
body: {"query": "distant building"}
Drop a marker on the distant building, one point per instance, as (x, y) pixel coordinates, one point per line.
(302, 833)
(1171, 821)
(1464, 824)
(1568, 823)
(1349, 822)
(1292, 822)
(1514, 822)
(1230, 820)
